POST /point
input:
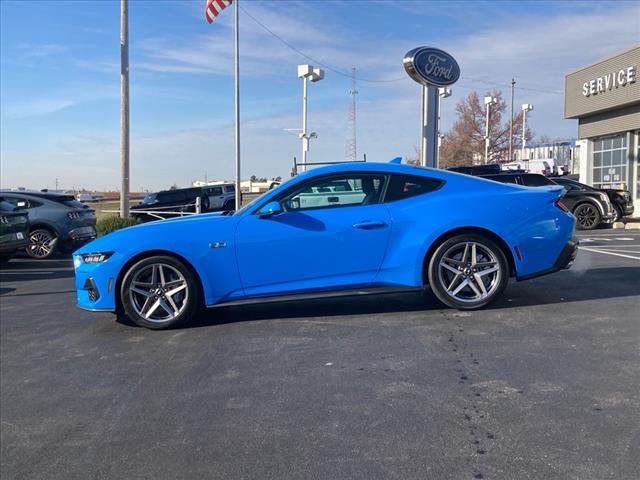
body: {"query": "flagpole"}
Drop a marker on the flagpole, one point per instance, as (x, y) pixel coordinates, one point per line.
(124, 109)
(237, 101)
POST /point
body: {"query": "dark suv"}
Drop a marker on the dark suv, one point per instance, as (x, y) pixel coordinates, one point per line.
(620, 199)
(58, 221)
(14, 230)
(212, 198)
(591, 208)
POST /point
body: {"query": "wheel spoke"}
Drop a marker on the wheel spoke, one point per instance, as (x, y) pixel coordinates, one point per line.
(167, 308)
(466, 253)
(460, 287)
(474, 254)
(151, 309)
(172, 292)
(154, 274)
(474, 288)
(457, 277)
(449, 267)
(487, 271)
(452, 261)
(144, 293)
(480, 283)
(161, 272)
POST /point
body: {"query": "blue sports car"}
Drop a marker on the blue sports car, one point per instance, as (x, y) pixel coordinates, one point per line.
(343, 229)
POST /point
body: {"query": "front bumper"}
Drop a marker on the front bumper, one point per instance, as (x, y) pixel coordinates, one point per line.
(12, 243)
(563, 262)
(96, 284)
(77, 238)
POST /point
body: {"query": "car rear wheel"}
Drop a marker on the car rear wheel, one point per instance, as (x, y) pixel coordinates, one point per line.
(617, 214)
(159, 292)
(468, 272)
(42, 244)
(587, 216)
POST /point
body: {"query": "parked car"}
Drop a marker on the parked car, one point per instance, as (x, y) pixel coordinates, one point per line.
(212, 197)
(86, 198)
(14, 230)
(58, 222)
(620, 199)
(394, 229)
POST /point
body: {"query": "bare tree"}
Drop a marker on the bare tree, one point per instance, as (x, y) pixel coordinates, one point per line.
(464, 143)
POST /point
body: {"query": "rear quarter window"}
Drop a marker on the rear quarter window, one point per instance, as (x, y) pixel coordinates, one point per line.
(407, 186)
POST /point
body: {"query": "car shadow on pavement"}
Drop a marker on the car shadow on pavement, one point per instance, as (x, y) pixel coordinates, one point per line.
(576, 286)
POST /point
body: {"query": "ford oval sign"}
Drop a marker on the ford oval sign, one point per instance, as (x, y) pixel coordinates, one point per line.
(431, 66)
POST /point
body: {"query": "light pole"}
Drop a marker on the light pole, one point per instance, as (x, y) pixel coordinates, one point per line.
(488, 101)
(443, 92)
(307, 72)
(526, 107)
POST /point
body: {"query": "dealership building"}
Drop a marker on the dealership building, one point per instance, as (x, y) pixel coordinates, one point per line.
(605, 99)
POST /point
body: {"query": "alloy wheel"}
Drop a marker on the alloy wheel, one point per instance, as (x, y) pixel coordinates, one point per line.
(587, 216)
(159, 292)
(42, 243)
(469, 272)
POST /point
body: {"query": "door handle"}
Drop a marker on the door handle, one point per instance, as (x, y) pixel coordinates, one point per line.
(368, 225)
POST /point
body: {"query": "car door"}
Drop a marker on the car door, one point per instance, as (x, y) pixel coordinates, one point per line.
(333, 233)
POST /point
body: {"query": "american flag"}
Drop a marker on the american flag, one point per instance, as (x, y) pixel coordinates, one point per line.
(214, 7)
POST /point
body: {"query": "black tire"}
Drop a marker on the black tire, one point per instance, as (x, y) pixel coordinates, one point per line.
(472, 295)
(42, 244)
(151, 309)
(587, 216)
(618, 214)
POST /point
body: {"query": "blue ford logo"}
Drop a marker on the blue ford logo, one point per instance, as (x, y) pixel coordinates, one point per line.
(431, 66)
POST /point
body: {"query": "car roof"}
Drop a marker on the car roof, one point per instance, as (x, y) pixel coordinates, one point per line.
(35, 193)
(381, 167)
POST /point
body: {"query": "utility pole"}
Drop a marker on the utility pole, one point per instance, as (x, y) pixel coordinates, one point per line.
(488, 101)
(351, 152)
(124, 108)
(513, 86)
(236, 29)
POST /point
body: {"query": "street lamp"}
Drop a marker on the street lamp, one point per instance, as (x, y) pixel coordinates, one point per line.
(488, 101)
(443, 92)
(526, 107)
(307, 72)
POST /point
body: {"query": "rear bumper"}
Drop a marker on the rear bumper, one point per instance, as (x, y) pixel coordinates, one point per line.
(564, 261)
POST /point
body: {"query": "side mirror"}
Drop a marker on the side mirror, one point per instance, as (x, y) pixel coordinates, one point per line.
(270, 209)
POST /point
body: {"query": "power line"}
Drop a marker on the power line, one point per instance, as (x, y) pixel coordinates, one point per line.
(345, 73)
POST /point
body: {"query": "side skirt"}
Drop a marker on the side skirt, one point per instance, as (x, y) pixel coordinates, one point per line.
(317, 295)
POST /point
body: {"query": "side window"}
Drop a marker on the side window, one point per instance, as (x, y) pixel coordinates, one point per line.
(337, 191)
(407, 186)
(229, 188)
(536, 180)
(21, 202)
(215, 191)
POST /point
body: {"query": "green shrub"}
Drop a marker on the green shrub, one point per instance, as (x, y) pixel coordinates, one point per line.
(111, 224)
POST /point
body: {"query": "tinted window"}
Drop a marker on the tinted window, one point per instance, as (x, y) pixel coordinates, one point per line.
(503, 178)
(229, 188)
(406, 186)
(150, 198)
(214, 191)
(337, 191)
(535, 180)
(175, 196)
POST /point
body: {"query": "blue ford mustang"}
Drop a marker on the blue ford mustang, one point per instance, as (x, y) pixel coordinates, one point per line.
(348, 228)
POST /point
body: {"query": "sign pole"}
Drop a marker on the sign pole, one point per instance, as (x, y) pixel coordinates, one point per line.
(237, 101)
(124, 108)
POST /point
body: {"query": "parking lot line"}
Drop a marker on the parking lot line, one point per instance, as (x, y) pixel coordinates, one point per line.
(609, 253)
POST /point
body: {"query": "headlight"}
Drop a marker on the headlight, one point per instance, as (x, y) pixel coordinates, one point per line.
(90, 258)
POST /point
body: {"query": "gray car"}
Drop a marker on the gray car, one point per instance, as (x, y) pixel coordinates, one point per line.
(58, 222)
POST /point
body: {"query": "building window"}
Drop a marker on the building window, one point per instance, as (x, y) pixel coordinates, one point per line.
(610, 163)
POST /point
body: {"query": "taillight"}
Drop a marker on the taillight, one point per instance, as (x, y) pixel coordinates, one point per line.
(561, 206)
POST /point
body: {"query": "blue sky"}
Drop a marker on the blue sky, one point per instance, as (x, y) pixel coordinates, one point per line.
(59, 77)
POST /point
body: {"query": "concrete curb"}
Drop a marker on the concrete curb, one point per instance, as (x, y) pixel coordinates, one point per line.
(634, 225)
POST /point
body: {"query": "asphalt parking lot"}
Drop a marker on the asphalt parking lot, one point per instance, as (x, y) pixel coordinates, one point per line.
(545, 384)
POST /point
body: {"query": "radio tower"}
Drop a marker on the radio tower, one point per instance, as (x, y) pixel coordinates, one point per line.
(351, 152)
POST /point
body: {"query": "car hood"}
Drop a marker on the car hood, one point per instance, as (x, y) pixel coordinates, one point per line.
(159, 234)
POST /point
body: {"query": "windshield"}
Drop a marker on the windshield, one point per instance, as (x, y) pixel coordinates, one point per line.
(150, 198)
(253, 202)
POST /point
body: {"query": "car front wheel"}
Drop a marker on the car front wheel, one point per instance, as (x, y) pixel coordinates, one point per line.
(159, 292)
(468, 272)
(587, 216)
